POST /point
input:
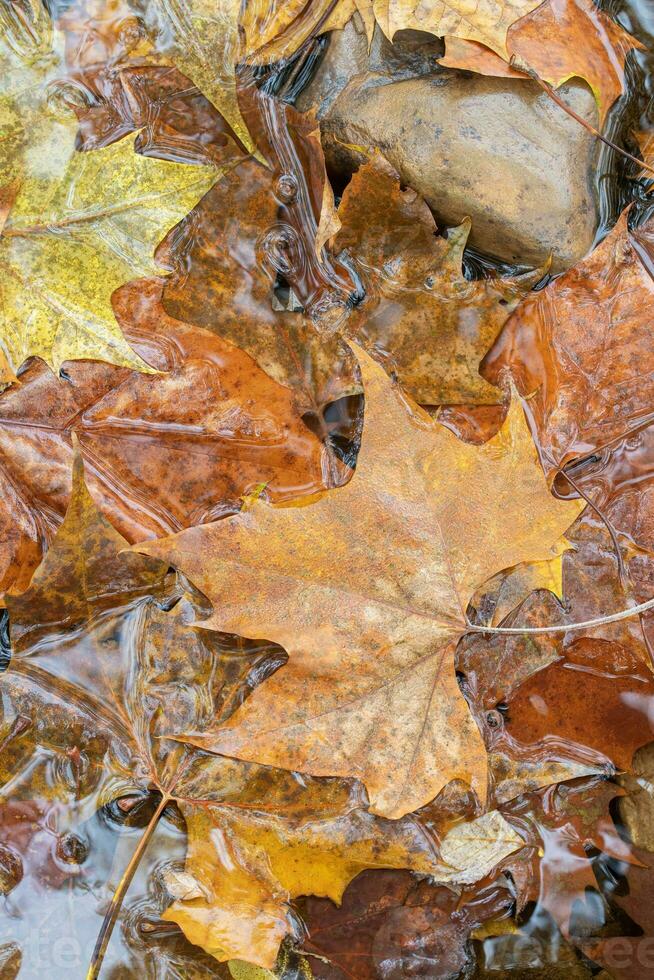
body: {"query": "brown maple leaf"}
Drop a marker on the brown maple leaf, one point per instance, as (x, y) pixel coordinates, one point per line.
(578, 346)
(366, 588)
(411, 299)
(103, 665)
(559, 40)
(163, 451)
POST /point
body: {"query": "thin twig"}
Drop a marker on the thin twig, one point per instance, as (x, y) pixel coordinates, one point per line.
(117, 899)
(587, 624)
(519, 65)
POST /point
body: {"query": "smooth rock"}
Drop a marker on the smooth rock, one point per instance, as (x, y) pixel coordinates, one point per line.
(637, 808)
(497, 150)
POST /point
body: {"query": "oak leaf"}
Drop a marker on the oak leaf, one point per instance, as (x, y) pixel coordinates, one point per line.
(559, 40)
(579, 348)
(103, 666)
(565, 822)
(163, 451)
(366, 587)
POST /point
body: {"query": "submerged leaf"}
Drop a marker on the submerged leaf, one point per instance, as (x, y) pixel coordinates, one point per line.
(73, 239)
(164, 451)
(104, 667)
(387, 602)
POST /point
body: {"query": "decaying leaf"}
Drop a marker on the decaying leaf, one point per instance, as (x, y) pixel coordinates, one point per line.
(202, 38)
(73, 238)
(277, 29)
(559, 40)
(103, 665)
(226, 258)
(578, 348)
(418, 307)
(376, 576)
(566, 822)
(413, 304)
(163, 451)
(474, 848)
(389, 923)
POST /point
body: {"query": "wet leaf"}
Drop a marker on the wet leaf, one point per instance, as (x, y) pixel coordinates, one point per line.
(559, 40)
(103, 666)
(579, 348)
(274, 29)
(392, 925)
(163, 451)
(71, 241)
(566, 821)
(396, 718)
(202, 39)
(413, 302)
(419, 309)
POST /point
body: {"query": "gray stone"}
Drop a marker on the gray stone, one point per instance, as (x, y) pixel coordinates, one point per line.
(498, 150)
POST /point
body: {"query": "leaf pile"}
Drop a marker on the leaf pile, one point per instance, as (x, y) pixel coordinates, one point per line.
(325, 568)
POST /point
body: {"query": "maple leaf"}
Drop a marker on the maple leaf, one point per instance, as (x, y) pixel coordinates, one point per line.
(436, 324)
(418, 307)
(276, 30)
(578, 346)
(202, 38)
(366, 587)
(163, 451)
(559, 40)
(78, 235)
(103, 664)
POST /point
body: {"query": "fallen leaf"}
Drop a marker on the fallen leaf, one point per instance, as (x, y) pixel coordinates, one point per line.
(170, 118)
(567, 821)
(629, 955)
(396, 718)
(419, 308)
(163, 451)
(393, 925)
(577, 348)
(559, 40)
(474, 848)
(598, 697)
(202, 38)
(277, 30)
(226, 260)
(103, 662)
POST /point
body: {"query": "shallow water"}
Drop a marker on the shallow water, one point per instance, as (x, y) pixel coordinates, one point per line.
(553, 705)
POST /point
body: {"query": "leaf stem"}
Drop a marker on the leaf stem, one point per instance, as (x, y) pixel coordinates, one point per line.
(586, 624)
(117, 899)
(519, 65)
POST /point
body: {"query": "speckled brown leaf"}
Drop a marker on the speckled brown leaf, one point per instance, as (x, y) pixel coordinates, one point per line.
(103, 666)
(559, 40)
(580, 348)
(419, 308)
(366, 587)
(163, 451)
